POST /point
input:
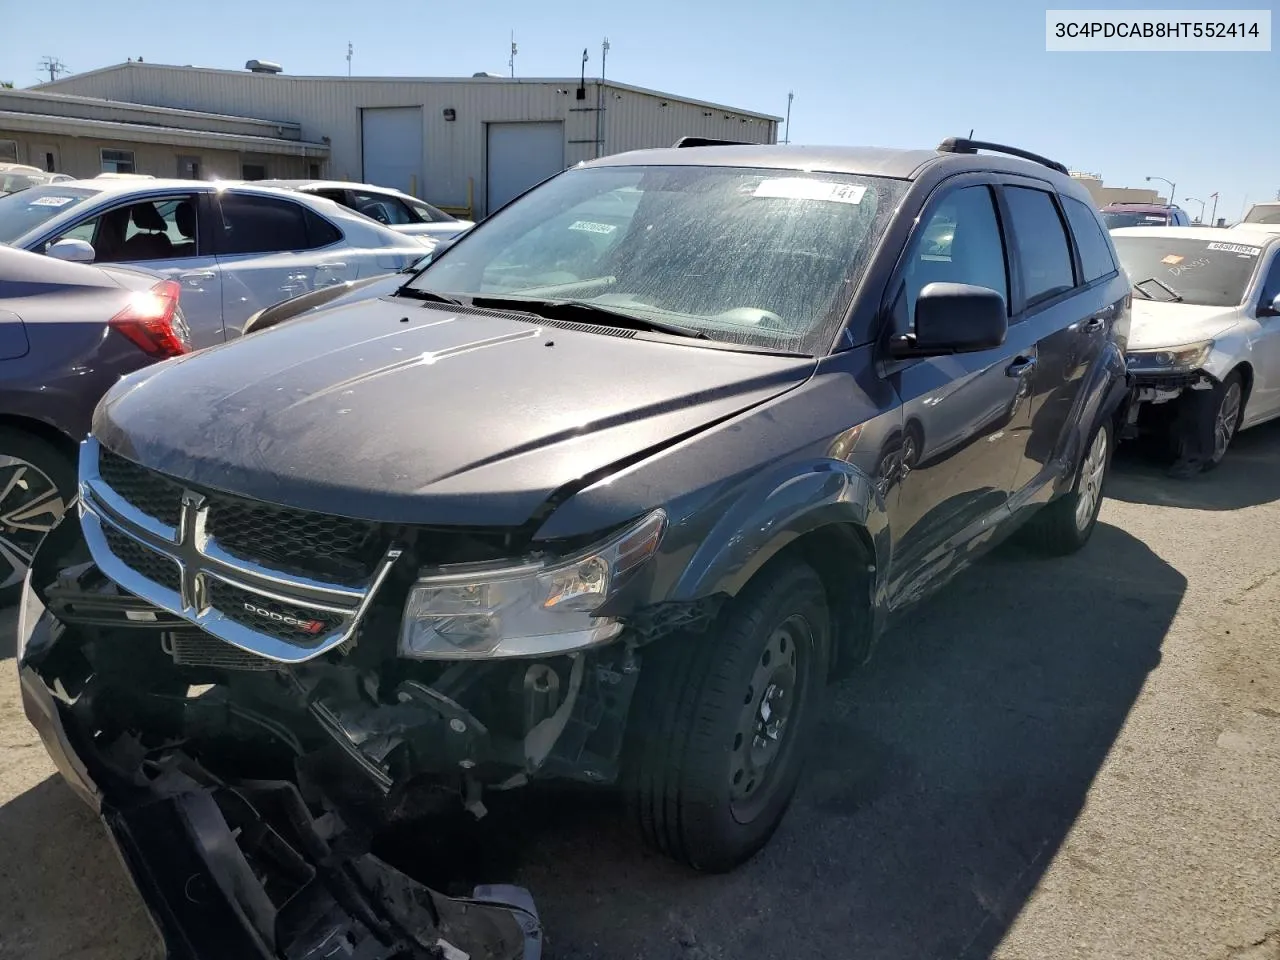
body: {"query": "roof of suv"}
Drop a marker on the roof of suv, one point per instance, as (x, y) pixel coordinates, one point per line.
(867, 161)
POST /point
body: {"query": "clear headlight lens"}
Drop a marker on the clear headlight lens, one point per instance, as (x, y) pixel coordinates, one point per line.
(537, 609)
(1173, 359)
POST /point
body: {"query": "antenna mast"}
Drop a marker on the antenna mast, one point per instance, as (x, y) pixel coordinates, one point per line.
(53, 66)
(512, 61)
(350, 50)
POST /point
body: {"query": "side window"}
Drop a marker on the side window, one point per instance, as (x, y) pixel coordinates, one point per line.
(253, 224)
(164, 229)
(960, 243)
(1095, 252)
(1042, 244)
(383, 208)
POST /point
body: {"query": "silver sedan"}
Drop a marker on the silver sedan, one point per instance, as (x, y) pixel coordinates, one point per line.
(234, 248)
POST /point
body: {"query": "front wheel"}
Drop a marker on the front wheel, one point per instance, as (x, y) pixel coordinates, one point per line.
(1206, 424)
(1065, 525)
(720, 721)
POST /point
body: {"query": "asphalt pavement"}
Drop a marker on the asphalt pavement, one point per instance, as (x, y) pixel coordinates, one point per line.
(1051, 759)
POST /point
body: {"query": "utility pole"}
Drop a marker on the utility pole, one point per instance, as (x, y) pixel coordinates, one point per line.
(53, 66)
(350, 51)
(512, 61)
(600, 100)
(787, 136)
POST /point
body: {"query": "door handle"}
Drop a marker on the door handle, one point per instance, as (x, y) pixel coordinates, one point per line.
(331, 266)
(1020, 366)
(198, 276)
(1094, 324)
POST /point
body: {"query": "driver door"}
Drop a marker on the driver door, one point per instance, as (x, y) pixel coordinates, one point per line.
(965, 418)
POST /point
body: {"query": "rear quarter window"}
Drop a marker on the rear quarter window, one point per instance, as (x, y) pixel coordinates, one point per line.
(1095, 252)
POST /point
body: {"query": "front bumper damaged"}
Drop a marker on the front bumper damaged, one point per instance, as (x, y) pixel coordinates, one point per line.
(227, 819)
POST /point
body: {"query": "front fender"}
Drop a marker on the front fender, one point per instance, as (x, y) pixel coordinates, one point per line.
(774, 511)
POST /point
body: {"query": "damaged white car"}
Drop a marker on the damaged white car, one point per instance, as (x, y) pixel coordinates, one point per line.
(1204, 348)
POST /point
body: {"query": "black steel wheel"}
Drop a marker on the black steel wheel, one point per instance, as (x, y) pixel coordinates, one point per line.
(720, 721)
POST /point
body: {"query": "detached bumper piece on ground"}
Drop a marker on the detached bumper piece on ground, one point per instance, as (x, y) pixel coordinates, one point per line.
(243, 839)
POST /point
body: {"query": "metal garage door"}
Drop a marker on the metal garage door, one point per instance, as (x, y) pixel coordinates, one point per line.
(520, 155)
(391, 141)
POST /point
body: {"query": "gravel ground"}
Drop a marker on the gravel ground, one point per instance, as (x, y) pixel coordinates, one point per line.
(1051, 759)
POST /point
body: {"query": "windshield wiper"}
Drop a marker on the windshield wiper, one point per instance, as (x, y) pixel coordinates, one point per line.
(1174, 295)
(418, 293)
(583, 311)
(1142, 293)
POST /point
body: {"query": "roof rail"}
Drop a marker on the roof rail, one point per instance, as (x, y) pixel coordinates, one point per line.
(709, 142)
(962, 145)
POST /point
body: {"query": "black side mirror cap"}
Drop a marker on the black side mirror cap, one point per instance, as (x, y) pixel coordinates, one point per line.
(954, 318)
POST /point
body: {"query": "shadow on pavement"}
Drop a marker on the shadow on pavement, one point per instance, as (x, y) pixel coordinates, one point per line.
(63, 892)
(946, 777)
(1248, 476)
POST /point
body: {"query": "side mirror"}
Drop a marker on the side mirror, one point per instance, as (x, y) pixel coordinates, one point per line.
(76, 251)
(954, 318)
(1271, 309)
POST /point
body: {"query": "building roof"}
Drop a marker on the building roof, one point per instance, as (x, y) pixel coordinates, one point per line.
(337, 78)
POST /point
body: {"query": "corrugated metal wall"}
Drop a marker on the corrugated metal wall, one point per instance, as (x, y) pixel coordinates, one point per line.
(453, 151)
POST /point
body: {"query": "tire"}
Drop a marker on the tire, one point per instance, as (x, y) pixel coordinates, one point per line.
(709, 772)
(1206, 424)
(37, 481)
(1064, 525)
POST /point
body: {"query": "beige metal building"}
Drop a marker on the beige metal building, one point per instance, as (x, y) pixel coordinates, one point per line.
(458, 142)
(1104, 195)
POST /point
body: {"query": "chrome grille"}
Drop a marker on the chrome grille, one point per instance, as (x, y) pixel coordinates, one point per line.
(143, 560)
(298, 541)
(272, 609)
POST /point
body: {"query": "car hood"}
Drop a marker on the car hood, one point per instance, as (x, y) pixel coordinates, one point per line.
(397, 411)
(1157, 324)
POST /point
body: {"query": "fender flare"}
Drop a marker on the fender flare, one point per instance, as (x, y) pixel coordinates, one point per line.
(773, 512)
(1106, 394)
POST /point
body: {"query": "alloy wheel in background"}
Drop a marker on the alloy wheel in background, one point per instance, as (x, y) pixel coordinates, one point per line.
(30, 506)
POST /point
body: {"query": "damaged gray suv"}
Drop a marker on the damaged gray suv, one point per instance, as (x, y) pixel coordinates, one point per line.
(607, 491)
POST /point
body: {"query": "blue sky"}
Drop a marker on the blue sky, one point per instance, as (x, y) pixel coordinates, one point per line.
(902, 74)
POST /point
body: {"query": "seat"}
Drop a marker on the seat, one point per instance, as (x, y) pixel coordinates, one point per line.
(154, 243)
(184, 216)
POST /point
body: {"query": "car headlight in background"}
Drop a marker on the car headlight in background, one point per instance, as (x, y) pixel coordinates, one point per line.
(535, 609)
(1171, 359)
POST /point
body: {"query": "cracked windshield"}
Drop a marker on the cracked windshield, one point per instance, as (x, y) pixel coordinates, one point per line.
(608, 484)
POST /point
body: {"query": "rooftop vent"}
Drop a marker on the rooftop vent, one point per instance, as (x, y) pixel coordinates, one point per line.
(263, 66)
(486, 73)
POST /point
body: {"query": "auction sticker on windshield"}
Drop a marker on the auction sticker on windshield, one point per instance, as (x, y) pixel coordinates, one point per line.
(802, 188)
(51, 201)
(590, 227)
(1239, 248)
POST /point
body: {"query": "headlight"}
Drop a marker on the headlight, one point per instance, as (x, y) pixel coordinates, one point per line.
(536, 609)
(1173, 359)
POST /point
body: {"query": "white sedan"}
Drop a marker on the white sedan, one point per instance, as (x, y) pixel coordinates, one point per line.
(399, 211)
(234, 248)
(1204, 346)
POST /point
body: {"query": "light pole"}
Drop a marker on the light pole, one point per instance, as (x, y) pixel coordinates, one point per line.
(1173, 189)
(787, 136)
(1213, 217)
(1199, 201)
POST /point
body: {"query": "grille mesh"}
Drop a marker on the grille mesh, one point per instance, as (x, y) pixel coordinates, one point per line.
(198, 649)
(142, 560)
(230, 602)
(152, 493)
